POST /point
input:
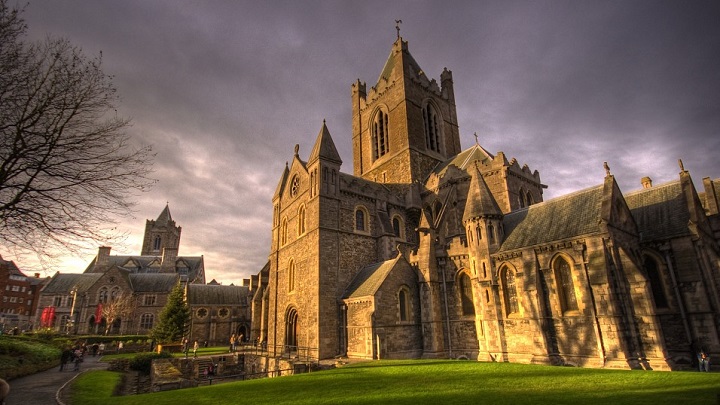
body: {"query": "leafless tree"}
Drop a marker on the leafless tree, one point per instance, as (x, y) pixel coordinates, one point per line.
(121, 307)
(68, 171)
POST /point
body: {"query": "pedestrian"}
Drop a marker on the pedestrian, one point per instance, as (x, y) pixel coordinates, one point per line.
(195, 348)
(119, 346)
(78, 358)
(95, 348)
(101, 348)
(185, 347)
(65, 357)
(232, 343)
(703, 361)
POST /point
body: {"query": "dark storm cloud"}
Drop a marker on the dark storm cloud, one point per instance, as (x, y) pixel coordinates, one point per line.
(224, 90)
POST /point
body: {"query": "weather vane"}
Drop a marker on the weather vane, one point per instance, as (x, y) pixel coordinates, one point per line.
(397, 27)
(476, 139)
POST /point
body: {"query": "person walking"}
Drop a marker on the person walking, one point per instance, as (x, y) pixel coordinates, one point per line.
(195, 349)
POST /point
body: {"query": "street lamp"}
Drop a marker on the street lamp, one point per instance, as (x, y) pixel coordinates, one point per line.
(71, 321)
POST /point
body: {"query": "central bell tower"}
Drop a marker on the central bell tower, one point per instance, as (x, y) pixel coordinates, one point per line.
(406, 124)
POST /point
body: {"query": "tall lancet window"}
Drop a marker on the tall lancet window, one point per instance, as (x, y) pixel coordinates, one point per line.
(380, 134)
(566, 288)
(157, 243)
(431, 121)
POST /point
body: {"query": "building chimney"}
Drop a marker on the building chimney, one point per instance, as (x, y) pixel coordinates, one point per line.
(37, 275)
(169, 255)
(103, 257)
(646, 182)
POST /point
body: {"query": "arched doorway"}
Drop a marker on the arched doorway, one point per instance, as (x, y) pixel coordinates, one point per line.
(242, 331)
(291, 329)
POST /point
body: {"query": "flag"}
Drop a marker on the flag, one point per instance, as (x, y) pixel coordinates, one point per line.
(98, 314)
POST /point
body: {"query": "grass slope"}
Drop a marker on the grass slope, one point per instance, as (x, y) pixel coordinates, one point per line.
(431, 382)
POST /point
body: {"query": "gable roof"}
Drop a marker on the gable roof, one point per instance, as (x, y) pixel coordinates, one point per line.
(569, 216)
(464, 159)
(370, 278)
(660, 211)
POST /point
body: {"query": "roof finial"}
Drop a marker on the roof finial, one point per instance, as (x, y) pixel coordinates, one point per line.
(397, 27)
(607, 169)
(476, 138)
(297, 149)
(682, 166)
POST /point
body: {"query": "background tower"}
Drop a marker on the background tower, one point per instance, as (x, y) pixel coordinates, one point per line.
(160, 234)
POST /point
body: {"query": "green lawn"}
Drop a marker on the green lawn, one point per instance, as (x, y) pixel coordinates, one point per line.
(431, 382)
(203, 351)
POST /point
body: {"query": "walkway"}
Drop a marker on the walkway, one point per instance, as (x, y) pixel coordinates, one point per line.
(43, 388)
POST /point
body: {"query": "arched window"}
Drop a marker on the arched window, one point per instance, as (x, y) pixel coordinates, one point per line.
(146, 321)
(398, 227)
(283, 232)
(466, 296)
(509, 291)
(521, 198)
(291, 276)
(431, 122)
(157, 243)
(403, 304)
(380, 134)
(491, 233)
(565, 287)
(103, 295)
(529, 199)
(360, 220)
(115, 294)
(301, 220)
(656, 284)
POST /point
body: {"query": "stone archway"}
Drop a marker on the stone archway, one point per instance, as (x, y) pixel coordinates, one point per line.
(291, 329)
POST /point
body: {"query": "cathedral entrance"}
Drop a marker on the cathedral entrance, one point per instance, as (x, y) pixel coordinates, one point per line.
(291, 329)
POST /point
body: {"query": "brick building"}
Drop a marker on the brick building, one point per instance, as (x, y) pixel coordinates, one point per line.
(19, 297)
(429, 250)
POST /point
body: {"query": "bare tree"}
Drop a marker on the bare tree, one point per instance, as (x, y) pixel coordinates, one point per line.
(121, 307)
(68, 170)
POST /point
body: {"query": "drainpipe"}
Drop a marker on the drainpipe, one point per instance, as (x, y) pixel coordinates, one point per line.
(681, 304)
(441, 263)
(598, 331)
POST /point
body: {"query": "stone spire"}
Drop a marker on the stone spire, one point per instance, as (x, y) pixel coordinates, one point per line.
(480, 201)
(324, 147)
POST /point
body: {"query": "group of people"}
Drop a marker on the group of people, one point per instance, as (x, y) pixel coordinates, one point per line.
(74, 354)
(186, 347)
(235, 340)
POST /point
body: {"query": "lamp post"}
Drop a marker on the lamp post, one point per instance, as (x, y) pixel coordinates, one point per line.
(71, 321)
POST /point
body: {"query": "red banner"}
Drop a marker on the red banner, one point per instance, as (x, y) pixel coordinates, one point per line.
(44, 317)
(98, 314)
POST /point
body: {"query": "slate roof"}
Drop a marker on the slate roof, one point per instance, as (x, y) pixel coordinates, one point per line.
(195, 263)
(164, 218)
(158, 282)
(64, 283)
(369, 279)
(392, 62)
(660, 212)
(201, 294)
(569, 216)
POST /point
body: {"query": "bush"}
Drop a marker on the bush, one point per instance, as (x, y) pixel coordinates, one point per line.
(22, 356)
(142, 361)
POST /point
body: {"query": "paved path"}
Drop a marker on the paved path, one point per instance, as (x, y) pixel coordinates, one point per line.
(42, 388)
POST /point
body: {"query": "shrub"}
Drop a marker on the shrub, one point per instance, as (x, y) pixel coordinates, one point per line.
(142, 361)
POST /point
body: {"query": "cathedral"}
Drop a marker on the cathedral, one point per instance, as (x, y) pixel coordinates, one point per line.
(428, 250)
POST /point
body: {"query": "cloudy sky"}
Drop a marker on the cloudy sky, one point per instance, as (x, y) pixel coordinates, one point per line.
(223, 90)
